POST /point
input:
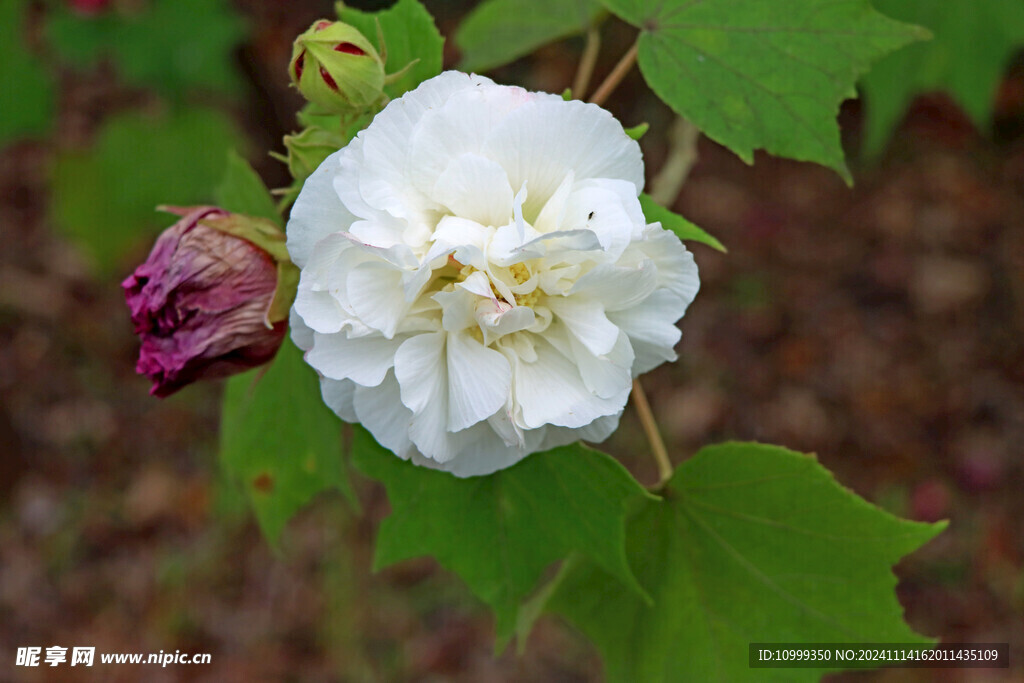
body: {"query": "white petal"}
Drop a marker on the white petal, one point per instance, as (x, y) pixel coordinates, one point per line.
(605, 376)
(421, 371)
(610, 209)
(375, 294)
(476, 188)
(317, 211)
(320, 310)
(457, 127)
(587, 321)
(364, 360)
(651, 329)
(302, 335)
(339, 396)
(595, 432)
(486, 453)
(550, 391)
(542, 141)
(459, 306)
(552, 216)
(497, 319)
(380, 410)
(676, 268)
(617, 287)
(479, 381)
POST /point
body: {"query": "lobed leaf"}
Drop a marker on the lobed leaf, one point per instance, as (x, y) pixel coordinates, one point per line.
(502, 531)
(762, 75)
(751, 543)
(280, 440)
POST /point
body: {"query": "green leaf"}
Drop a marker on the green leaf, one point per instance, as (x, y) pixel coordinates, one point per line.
(637, 131)
(280, 440)
(409, 36)
(751, 543)
(104, 198)
(973, 45)
(171, 45)
(762, 75)
(497, 32)
(242, 190)
(26, 88)
(684, 229)
(500, 532)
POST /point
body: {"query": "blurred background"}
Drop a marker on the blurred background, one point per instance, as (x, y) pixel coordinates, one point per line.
(879, 326)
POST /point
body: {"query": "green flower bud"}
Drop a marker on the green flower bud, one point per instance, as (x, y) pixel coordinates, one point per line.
(335, 67)
(308, 149)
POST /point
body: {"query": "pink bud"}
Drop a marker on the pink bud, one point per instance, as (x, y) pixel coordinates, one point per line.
(199, 304)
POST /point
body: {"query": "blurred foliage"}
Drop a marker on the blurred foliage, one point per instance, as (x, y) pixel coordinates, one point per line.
(499, 31)
(170, 46)
(242, 190)
(973, 43)
(26, 87)
(104, 198)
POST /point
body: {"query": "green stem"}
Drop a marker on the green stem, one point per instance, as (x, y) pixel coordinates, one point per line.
(658, 450)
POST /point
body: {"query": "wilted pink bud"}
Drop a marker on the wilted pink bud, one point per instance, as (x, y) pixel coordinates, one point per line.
(202, 301)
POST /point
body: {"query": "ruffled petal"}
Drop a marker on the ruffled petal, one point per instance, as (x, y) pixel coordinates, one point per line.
(479, 381)
(551, 391)
(540, 142)
(364, 360)
(339, 396)
(317, 211)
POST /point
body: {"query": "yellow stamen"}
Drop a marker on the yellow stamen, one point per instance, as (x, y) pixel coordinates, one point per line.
(520, 272)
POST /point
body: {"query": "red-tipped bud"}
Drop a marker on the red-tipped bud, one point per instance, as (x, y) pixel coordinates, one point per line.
(337, 68)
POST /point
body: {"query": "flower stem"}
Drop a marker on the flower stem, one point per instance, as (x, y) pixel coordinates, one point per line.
(587, 61)
(682, 155)
(617, 74)
(643, 409)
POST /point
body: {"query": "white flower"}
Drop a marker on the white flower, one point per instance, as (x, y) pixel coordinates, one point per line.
(478, 280)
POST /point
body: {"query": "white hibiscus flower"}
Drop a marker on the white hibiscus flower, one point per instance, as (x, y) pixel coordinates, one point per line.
(478, 280)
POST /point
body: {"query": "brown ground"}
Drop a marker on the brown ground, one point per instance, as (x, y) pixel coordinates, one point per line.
(880, 327)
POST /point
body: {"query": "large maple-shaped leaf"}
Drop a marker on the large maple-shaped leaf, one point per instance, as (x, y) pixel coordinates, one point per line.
(750, 543)
(279, 439)
(973, 44)
(762, 75)
(500, 532)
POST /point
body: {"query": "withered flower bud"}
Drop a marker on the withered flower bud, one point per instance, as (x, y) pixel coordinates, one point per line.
(212, 299)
